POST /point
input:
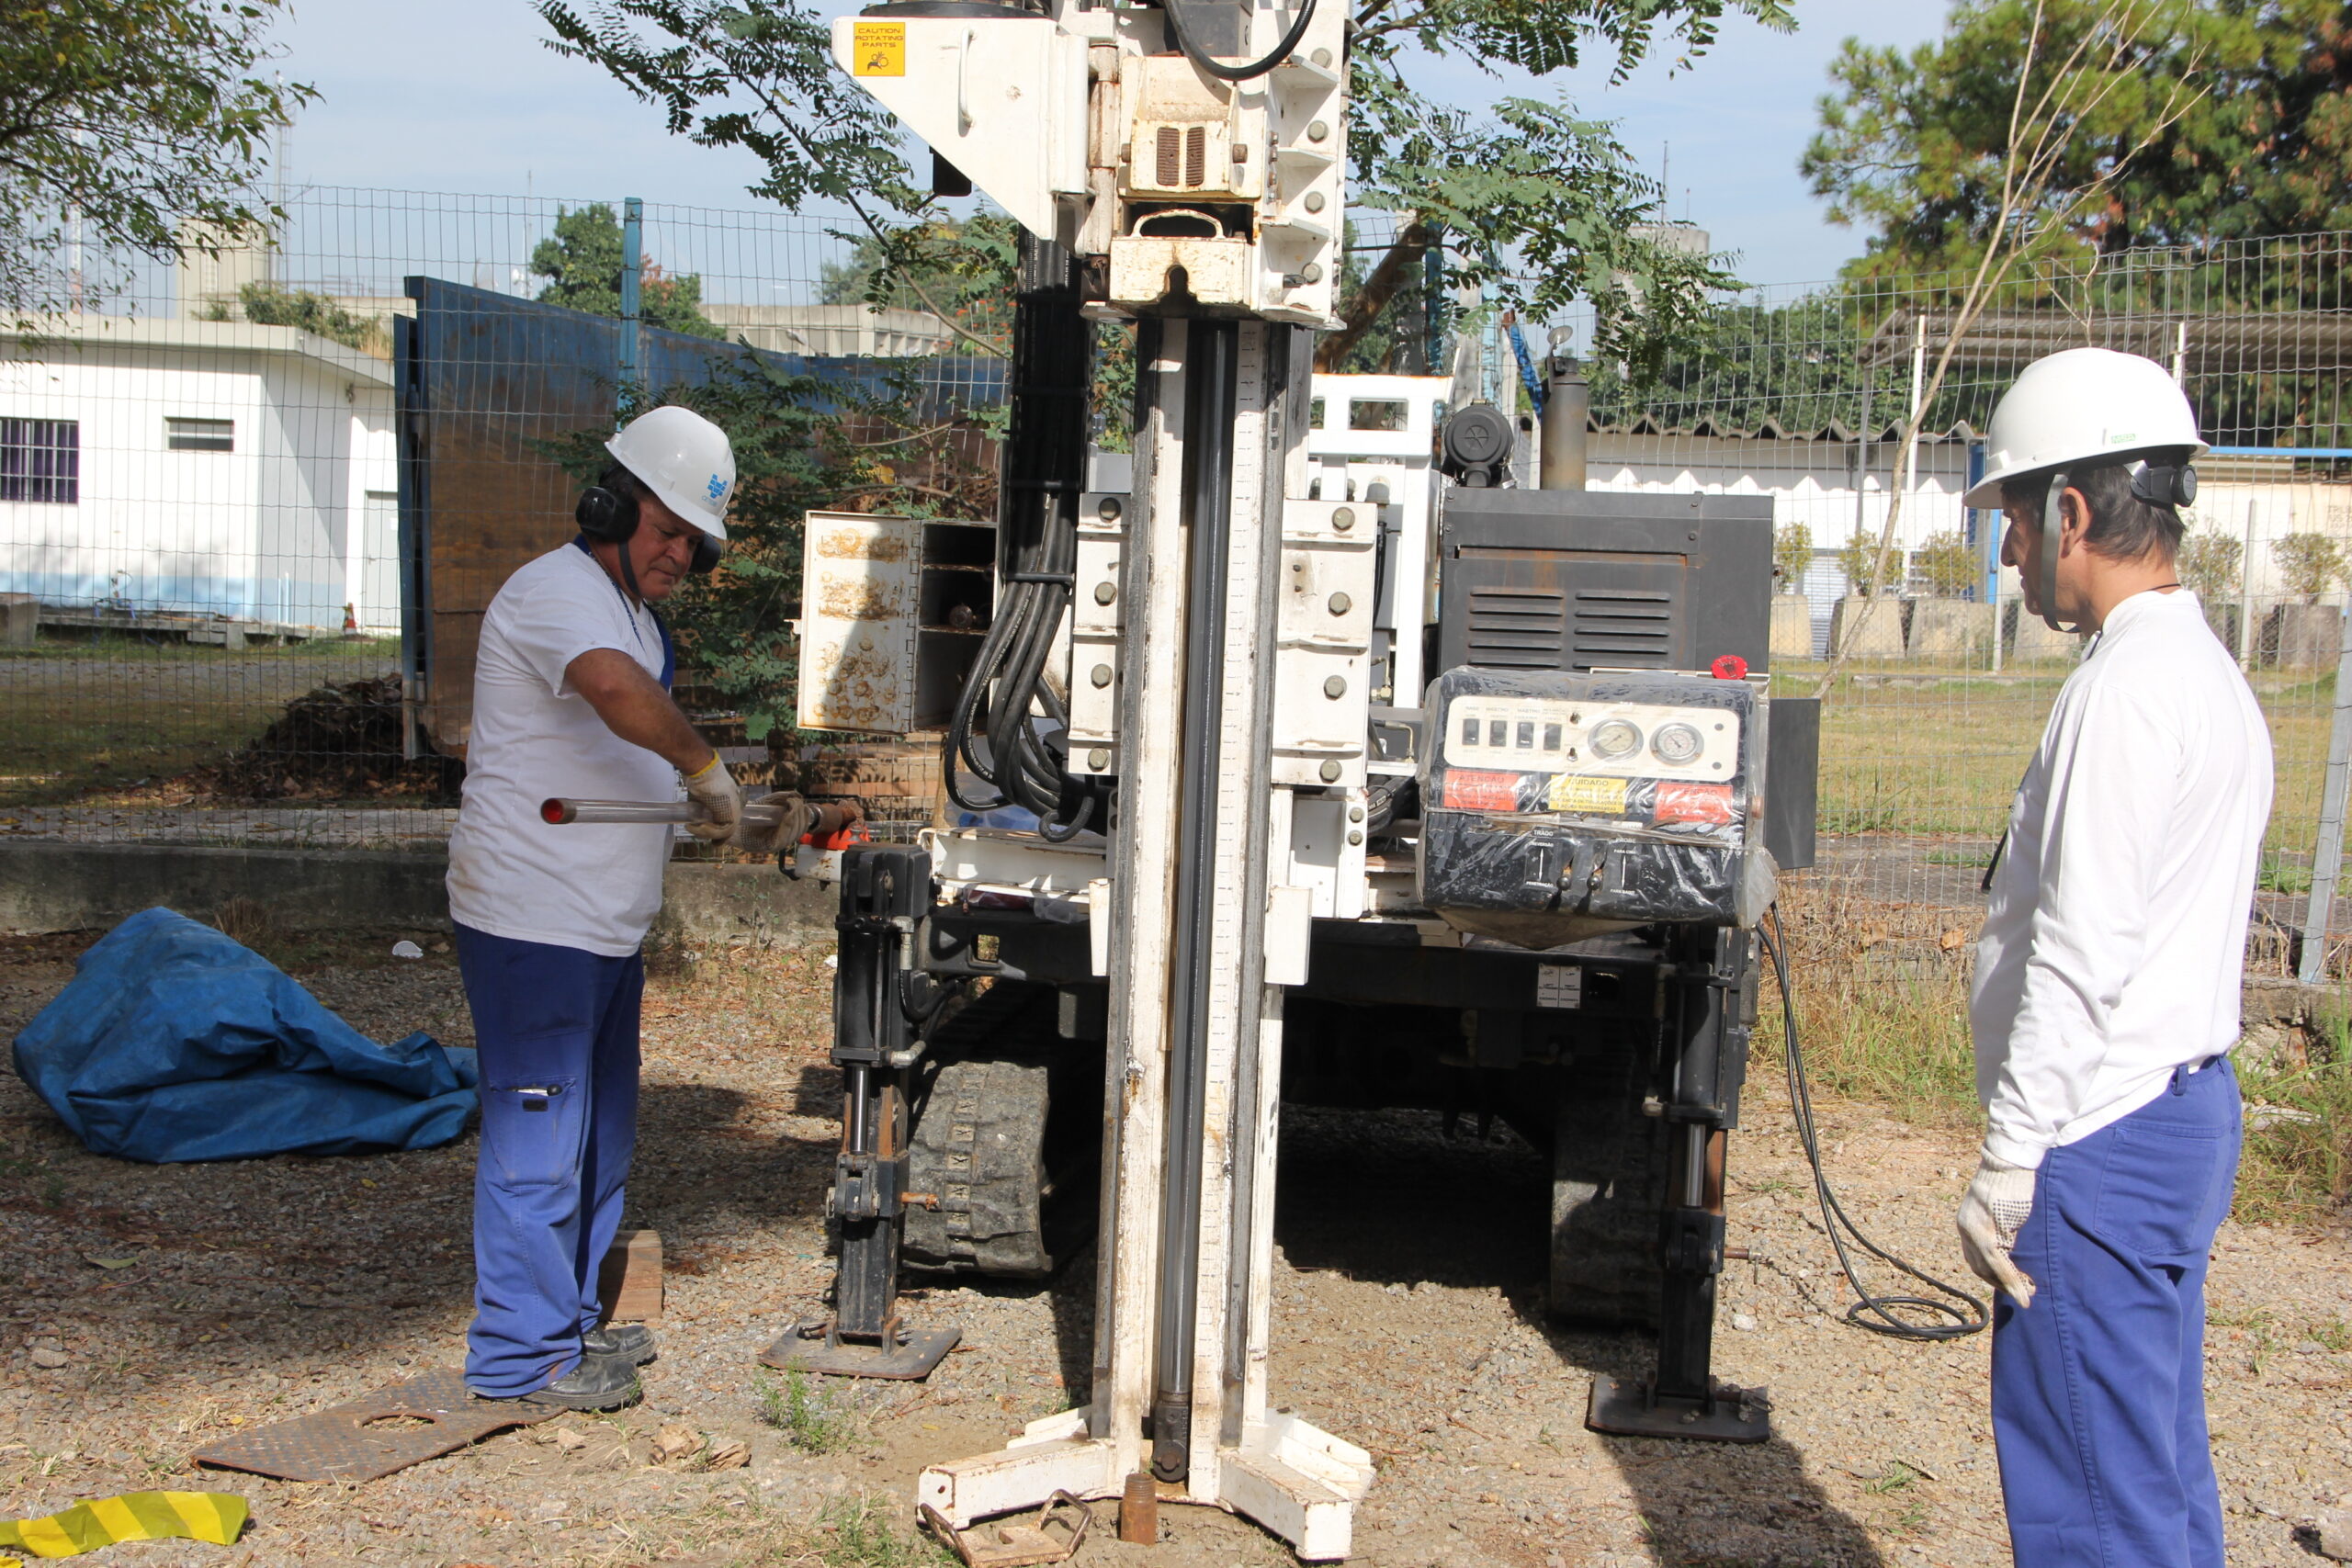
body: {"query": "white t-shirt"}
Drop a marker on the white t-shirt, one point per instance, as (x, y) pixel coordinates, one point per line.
(594, 887)
(2115, 942)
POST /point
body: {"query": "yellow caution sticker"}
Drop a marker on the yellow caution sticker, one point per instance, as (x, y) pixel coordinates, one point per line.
(1572, 792)
(878, 48)
(216, 1517)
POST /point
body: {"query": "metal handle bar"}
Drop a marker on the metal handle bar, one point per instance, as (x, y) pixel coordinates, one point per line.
(562, 810)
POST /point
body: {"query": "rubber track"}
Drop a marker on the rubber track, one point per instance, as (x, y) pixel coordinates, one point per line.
(979, 1139)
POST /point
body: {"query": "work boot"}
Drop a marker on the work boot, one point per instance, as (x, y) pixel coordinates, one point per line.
(630, 1342)
(598, 1382)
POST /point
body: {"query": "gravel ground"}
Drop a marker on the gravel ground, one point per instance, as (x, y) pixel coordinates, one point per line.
(262, 1290)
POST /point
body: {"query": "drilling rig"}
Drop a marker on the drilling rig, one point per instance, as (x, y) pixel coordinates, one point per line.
(1306, 760)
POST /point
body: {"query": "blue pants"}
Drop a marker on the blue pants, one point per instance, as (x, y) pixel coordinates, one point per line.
(557, 1028)
(2098, 1387)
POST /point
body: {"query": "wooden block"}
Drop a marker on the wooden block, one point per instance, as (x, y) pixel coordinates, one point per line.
(629, 1283)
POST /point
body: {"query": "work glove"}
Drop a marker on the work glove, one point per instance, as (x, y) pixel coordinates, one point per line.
(793, 818)
(1991, 1212)
(714, 790)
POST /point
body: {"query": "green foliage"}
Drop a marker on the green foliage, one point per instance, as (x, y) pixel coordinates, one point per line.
(1792, 556)
(2312, 563)
(1858, 560)
(810, 1420)
(1526, 188)
(1538, 206)
(582, 263)
(1797, 364)
(2207, 564)
(271, 305)
(147, 121)
(800, 445)
(863, 1534)
(1912, 146)
(1946, 567)
(962, 271)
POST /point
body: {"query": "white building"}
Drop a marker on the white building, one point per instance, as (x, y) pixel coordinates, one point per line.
(195, 465)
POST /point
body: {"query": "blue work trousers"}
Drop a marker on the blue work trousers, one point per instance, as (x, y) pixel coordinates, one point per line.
(2098, 1387)
(557, 1028)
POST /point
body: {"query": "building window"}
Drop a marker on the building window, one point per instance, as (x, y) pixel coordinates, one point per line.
(41, 459)
(200, 434)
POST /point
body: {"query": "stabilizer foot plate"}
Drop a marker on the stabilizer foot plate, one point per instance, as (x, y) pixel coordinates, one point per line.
(813, 1348)
(1625, 1407)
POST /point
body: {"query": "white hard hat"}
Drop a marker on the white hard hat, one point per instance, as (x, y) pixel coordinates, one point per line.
(682, 458)
(2082, 405)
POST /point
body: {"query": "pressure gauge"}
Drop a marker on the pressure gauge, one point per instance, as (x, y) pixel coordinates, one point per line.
(1676, 745)
(1614, 739)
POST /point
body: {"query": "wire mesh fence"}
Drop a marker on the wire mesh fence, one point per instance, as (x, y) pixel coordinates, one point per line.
(247, 531)
(1937, 680)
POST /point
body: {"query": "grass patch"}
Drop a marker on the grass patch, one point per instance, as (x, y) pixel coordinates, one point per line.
(79, 720)
(1945, 757)
(1882, 1015)
(1899, 1040)
(812, 1421)
(862, 1535)
(2297, 1166)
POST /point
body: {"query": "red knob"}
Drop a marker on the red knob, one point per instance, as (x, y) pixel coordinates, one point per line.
(1730, 667)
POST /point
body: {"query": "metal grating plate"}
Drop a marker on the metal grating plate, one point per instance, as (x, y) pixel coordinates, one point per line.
(338, 1444)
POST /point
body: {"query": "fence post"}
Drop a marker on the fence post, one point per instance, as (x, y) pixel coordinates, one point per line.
(632, 292)
(2245, 593)
(2328, 854)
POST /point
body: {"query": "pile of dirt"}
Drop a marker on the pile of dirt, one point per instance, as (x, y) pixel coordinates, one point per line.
(334, 742)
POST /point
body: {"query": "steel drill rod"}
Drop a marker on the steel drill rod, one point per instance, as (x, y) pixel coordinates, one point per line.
(562, 810)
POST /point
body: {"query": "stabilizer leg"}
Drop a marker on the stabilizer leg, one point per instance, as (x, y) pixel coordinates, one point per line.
(885, 888)
(1681, 1400)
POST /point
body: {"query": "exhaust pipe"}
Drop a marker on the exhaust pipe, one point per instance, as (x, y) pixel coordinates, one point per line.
(1568, 405)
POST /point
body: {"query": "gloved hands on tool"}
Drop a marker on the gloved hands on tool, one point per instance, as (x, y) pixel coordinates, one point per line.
(715, 791)
(794, 820)
(1991, 1212)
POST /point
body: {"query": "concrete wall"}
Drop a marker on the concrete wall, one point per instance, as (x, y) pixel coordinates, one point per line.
(64, 888)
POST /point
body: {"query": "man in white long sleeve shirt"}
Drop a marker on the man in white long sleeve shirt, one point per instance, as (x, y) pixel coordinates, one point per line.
(2106, 995)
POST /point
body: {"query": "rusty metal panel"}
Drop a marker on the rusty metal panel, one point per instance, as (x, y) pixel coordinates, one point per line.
(376, 1434)
(859, 604)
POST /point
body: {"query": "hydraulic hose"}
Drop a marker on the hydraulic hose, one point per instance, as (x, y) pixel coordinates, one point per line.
(1208, 66)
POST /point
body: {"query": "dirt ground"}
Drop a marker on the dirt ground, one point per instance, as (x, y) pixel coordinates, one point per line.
(189, 1302)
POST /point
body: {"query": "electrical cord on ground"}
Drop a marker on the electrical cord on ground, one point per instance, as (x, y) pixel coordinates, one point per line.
(1208, 66)
(1964, 1313)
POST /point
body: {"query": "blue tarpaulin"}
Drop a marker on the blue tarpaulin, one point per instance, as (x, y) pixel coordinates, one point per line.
(173, 1043)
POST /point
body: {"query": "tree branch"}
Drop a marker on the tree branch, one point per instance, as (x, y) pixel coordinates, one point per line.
(1372, 298)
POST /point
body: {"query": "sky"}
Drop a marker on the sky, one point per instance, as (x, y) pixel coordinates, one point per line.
(461, 96)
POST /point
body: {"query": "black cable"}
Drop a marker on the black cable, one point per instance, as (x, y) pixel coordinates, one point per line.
(1836, 1223)
(1205, 64)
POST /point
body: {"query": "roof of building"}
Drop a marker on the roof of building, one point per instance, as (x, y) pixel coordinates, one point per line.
(200, 336)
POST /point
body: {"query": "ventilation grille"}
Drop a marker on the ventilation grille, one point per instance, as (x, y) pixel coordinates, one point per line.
(1517, 629)
(1625, 626)
(1181, 157)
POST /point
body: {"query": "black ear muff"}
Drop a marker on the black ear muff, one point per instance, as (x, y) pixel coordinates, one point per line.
(606, 514)
(2165, 484)
(706, 553)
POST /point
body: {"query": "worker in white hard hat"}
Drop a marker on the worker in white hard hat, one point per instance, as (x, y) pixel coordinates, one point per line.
(571, 697)
(2105, 1000)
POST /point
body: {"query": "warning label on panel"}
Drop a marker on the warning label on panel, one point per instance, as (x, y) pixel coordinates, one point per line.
(878, 48)
(1569, 792)
(1559, 986)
